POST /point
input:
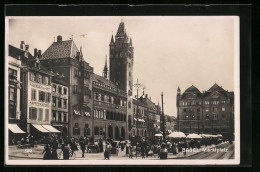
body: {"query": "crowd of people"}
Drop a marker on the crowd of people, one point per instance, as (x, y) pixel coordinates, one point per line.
(133, 148)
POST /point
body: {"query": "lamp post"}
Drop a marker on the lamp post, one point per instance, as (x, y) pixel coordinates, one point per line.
(137, 86)
(163, 120)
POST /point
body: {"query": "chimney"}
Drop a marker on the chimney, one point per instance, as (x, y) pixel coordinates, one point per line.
(35, 52)
(26, 47)
(22, 45)
(59, 38)
(146, 95)
(39, 53)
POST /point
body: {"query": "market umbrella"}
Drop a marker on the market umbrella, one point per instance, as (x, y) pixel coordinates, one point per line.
(158, 135)
(194, 136)
(177, 135)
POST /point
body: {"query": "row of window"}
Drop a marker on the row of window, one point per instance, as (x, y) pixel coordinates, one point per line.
(42, 79)
(79, 73)
(59, 102)
(43, 96)
(139, 132)
(37, 114)
(214, 109)
(100, 114)
(76, 130)
(59, 116)
(215, 102)
(207, 117)
(110, 99)
(59, 89)
(140, 111)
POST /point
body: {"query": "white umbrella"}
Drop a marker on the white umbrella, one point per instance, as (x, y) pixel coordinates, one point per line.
(194, 136)
(177, 135)
(158, 135)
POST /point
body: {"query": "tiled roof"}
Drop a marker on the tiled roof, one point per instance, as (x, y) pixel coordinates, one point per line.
(192, 89)
(26, 58)
(61, 49)
(19, 53)
(216, 87)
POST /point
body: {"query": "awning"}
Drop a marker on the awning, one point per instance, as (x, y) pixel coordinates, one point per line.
(51, 129)
(40, 128)
(15, 129)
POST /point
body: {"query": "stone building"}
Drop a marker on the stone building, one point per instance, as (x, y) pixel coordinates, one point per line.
(109, 107)
(209, 112)
(14, 87)
(121, 58)
(65, 59)
(59, 108)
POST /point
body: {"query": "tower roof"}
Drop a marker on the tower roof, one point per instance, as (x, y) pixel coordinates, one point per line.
(215, 87)
(112, 40)
(105, 67)
(131, 41)
(121, 29)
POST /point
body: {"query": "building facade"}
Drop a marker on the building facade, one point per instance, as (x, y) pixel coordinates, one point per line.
(65, 59)
(140, 119)
(110, 113)
(210, 112)
(14, 87)
(36, 95)
(59, 108)
(121, 58)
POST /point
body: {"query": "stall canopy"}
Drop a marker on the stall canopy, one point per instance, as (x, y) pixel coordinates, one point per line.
(158, 135)
(177, 135)
(51, 129)
(41, 128)
(15, 129)
(194, 136)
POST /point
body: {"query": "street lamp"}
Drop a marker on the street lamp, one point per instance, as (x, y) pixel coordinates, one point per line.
(137, 86)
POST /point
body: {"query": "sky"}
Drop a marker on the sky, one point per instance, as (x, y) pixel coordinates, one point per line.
(168, 51)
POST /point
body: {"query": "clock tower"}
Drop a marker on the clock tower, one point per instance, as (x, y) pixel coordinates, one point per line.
(121, 58)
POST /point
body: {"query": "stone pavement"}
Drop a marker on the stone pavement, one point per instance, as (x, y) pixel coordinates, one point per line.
(37, 153)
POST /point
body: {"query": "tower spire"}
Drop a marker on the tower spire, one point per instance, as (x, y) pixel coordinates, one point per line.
(105, 70)
(112, 40)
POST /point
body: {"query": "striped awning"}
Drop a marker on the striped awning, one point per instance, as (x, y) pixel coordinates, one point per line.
(15, 129)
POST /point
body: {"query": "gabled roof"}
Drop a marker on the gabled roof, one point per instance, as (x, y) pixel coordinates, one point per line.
(27, 59)
(192, 89)
(215, 87)
(62, 49)
(19, 53)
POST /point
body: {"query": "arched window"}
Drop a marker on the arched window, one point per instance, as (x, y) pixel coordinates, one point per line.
(96, 132)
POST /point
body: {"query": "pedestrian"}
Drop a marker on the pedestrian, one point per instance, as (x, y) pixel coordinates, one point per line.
(131, 151)
(54, 155)
(100, 144)
(66, 152)
(82, 145)
(107, 151)
(46, 152)
(73, 146)
(143, 151)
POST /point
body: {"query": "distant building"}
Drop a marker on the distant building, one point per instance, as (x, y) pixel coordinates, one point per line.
(139, 127)
(209, 112)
